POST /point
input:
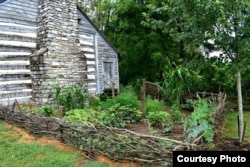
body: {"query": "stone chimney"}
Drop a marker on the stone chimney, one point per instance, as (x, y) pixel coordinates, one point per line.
(58, 35)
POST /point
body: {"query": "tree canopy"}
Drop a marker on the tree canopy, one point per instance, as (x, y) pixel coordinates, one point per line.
(155, 38)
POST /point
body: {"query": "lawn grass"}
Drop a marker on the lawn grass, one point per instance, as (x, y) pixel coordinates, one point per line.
(13, 153)
(231, 125)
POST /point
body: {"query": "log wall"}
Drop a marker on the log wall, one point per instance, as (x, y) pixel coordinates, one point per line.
(18, 27)
(74, 50)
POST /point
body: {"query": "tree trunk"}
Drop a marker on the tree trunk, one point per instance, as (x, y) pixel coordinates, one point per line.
(241, 118)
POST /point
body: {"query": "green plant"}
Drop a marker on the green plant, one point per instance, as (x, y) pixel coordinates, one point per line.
(84, 116)
(71, 96)
(159, 118)
(124, 99)
(177, 79)
(94, 101)
(47, 111)
(177, 114)
(109, 102)
(188, 105)
(119, 116)
(153, 105)
(200, 122)
(127, 98)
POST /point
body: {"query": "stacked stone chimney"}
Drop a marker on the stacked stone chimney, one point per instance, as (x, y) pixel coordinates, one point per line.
(58, 35)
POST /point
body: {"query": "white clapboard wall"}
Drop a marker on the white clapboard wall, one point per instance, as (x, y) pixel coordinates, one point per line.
(97, 51)
(18, 27)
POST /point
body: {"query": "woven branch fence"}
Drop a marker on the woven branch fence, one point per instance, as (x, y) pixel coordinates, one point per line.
(117, 144)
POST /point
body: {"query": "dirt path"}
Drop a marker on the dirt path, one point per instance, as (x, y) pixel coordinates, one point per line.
(25, 137)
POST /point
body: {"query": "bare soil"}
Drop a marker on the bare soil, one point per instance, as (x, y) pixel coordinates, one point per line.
(232, 145)
(177, 133)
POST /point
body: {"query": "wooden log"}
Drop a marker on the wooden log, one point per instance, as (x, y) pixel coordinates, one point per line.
(17, 25)
(86, 36)
(14, 63)
(89, 69)
(90, 50)
(18, 44)
(82, 42)
(92, 77)
(90, 62)
(15, 91)
(27, 35)
(89, 56)
(7, 72)
(15, 82)
(5, 54)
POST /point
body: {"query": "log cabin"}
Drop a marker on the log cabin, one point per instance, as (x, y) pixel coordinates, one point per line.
(43, 41)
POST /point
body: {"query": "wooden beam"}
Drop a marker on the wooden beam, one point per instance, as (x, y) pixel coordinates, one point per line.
(89, 56)
(90, 62)
(91, 50)
(27, 35)
(15, 82)
(15, 91)
(15, 53)
(91, 77)
(18, 44)
(14, 62)
(90, 37)
(91, 69)
(86, 43)
(17, 25)
(6, 72)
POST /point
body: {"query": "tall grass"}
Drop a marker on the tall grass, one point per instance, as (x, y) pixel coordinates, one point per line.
(231, 125)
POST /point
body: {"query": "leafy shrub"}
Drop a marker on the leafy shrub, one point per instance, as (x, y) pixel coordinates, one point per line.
(201, 120)
(153, 105)
(119, 116)
(188, 105)
(127, 98)
(104, 96)
(47, 111)
(159, 118)
(177, 115)
(71, 96)
(107, 103)
(123, 99)
(84, 116)
(94, 101)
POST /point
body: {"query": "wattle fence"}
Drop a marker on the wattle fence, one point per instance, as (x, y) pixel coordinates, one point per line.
(118, 144)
